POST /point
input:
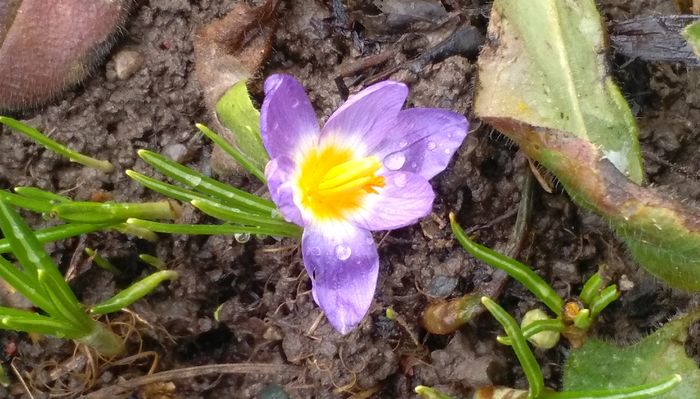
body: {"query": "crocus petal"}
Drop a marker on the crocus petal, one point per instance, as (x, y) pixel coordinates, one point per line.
(278, 172)
(287, 119)
(405, 198)
(367, 117)
(343, 264)
(423, 141)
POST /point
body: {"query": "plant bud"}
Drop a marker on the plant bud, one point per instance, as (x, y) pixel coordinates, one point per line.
(543, 339)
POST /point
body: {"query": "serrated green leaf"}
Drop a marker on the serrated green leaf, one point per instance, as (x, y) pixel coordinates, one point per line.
(237, 113)
(599, 364)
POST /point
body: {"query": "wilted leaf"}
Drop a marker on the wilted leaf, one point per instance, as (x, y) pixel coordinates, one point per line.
(599, 364)
(545, 66)
(229, 51)
(237, 113)
(544, 83)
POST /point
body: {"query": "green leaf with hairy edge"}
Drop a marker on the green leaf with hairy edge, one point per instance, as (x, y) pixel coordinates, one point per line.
(553, 74)
(602, 365)
(237, 113)
(543, 83)
(692, 35)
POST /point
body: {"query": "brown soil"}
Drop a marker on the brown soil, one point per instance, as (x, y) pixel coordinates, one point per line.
(266, 312)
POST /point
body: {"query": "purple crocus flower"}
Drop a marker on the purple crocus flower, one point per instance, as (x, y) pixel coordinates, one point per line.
(366, 170)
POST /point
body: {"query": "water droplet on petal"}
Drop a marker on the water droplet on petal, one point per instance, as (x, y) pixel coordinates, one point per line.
(403, 143)
(315, 251)
(400, 180)
(431, 145)
(342, 252)
(448, 151)
(414, 165)
(242, 238)
(395, 161)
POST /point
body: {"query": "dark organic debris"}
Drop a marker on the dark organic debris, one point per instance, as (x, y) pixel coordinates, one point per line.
(655, 38)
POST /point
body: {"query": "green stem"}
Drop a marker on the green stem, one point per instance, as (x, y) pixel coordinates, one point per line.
(101, 262)
(519, 343)
(55, 146)
(606, 297)
(56, 233)
(233, 152)
(215, 229)
(37, 193)
(103, 340)
(133, 293)
(206, 185)
(515, 269)
(106, 212)
(590, 289)
(646, 391)
(536, 327)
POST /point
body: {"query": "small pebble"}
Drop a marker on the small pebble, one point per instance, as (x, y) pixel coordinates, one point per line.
(177, 152)
(126, 63)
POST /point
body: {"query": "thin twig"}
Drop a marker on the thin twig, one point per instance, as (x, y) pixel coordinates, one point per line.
(126, 387)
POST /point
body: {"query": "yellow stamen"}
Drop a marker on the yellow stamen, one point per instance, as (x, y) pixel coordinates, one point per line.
(332, 182)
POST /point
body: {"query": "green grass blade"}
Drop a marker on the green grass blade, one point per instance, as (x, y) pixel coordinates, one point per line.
(55, 146)
(55, 233)
(206, 185)
(238, 216)
(134, 292)
(515, 269)
(591, 288)
(21, 320)
(233, 152)
(212, 229)
(32, 204)
(25, 285)
(169, 190)
(108, 212)
(39, 194)
(646, 391)
(522, 350)
(31, 255)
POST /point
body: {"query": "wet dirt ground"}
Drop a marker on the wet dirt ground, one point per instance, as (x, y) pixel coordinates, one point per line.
(266, 313)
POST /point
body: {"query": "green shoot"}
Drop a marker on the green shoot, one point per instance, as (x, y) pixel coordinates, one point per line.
(41, 283)
(233, 152)
(152, 261)
(134, 292)
(55, 146)
(519, 343)
(101, 262)
(515, 269)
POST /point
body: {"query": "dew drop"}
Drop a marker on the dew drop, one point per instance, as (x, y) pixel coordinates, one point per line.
(403, 143)
(295, 103)
(315, 251)
(448, 151)
(274, 213)
(242, 238)
(431, 145)
(342, 252)
(414, 165)
(400, 180)
(395, 161)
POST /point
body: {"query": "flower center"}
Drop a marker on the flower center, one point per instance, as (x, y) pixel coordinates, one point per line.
(333, 182)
